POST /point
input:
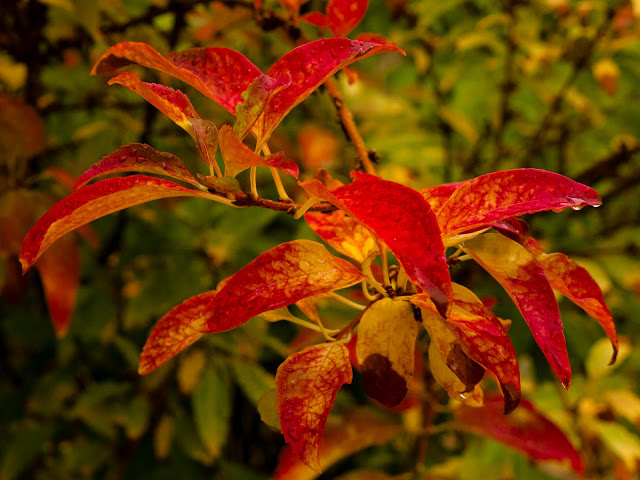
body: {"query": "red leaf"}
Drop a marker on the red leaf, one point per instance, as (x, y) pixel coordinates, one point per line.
(137, 157)
(526, 430)
(344, 15)
(575, 283)
(308, 66)
(95, 201)
(278, 277)
(523, 278)
(439, 195)
(219, 73)
(238, 157)
(499, 195)
(403, 219)
(173, 333)
(343, 233)
(315, 18)
(307, 383)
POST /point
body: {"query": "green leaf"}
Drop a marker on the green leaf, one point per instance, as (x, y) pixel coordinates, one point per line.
(23, 449)
(253, 380)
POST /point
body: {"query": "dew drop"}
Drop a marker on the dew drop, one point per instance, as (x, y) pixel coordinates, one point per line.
(577, 207)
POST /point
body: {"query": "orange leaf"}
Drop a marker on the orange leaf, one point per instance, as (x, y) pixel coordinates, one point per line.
(173, 333)
(307, 383)
(276, 278)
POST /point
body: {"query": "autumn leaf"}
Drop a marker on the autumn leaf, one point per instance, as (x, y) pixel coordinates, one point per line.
(138, 157)
(173, 333)
(307, 383)
(385, 349)
(524, 280)
(495, 196)
(219, 73)
(341, 16)
(276, 278)
(575, 283)
(95, 201)
(439, 195)
(238, 157)
(526, 430)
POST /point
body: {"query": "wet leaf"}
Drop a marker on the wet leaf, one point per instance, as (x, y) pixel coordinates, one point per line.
(276, 278)
(219, 73)
(206, 140)
(575, 283)
(526, 430)
(495, 196)
(173, 333)
(439, 195)
(524, 280)
(307, 383)
(95, 201)
(238, 157)
(137, 157)
(385, 350)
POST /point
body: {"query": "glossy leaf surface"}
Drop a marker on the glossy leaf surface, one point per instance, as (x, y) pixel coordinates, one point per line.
(385, 350)
(276, 278)
(307, 383)
(524, 280)
(526, 430)
(95, 201)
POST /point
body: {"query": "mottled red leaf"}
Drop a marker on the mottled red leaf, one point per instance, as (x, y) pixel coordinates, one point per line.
(278, 277)
(95, 201)
(173, 333)
(137, 157)
(343, 233)
(307, 383)
(526, 430)
(206, 141)
(219, 73)
(523, 278)
(575, 283)
(439, 195)
(238, 157)
(345, 15)
(315, 18)
(308, 66)
(490, 198)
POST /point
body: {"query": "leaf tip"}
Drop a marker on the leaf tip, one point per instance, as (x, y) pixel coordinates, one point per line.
(511, 398)
(614, 355)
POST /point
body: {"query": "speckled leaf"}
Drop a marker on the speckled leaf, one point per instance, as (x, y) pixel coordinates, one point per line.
(439, 195)
(238, 157)
(385, 349)
(343, 233)
(173, 333)
(499, 195)
(95, 201)
(137, 157)
(308, 66)
(219, 73)
(575, 283)
(307, 383)
(523, 278)
(278, 277)
(206, 140)
(526, 430)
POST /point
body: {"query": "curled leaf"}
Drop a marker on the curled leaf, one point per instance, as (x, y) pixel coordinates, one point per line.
(307, 383)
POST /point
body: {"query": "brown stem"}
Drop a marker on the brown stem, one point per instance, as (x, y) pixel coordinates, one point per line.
(243, 200)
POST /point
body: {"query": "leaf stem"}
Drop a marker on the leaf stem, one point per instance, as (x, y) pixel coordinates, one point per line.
(366, 269)
(365, 292)
(282, 193)
(316, 327)
(346, 301)
(385, 264)
(307, 205)
(254, 186)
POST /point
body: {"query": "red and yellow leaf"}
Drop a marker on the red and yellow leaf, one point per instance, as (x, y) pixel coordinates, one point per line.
(238, 157)
(173, 333)
(385, 349)
(137, 157)
(490, 198)
(308, 66)
(276, 278)
(95, 201)
(219, 73)
(526, 430)
(307, 383)
(575, 283)
(524, 280)
(343, 233)
(439, 195)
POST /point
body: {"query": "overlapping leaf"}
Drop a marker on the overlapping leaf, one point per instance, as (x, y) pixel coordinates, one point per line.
(385, 350)
(306, 385)
(499, 195)
(523, 278)
(173, 333)
(219, 73)
(95, 201)
(526, 430)
(238, 157)
(278, 277)
(341, 16)
(137, 157)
